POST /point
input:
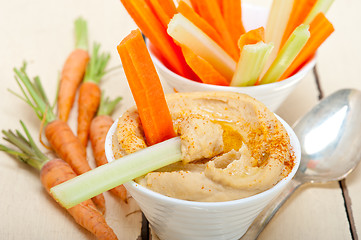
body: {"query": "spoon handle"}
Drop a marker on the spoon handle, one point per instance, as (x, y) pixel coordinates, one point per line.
(267, 214)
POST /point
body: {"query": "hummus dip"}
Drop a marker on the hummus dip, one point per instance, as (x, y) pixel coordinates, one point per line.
(232, 147)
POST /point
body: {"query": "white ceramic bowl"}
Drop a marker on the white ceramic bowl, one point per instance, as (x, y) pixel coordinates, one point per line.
(272, 95)
(175, 219)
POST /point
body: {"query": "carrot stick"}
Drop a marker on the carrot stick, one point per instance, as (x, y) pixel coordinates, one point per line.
(201, 23)
(73, 70)
(99, 128)
(203, 69)
(155, 31)
(320, 30)
(52, 173)
(60, 136)
(300, 10)
(232, 14)
(251, 37)
(211, 12)
(89, 93)
(146, 88)
(164, 10)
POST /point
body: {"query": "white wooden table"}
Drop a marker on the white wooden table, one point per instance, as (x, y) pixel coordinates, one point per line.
(40, 32)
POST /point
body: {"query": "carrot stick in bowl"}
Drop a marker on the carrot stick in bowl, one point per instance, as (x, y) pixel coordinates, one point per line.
(232, 14)
(156, 33)
(89, 93)
(146, 88)
(73, 70)
(320, 30)
(300, 10)
(60, 136)
(52, 173)
(204, 70)
(189, 13)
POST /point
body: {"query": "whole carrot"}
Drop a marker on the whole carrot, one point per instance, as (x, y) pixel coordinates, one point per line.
(99, 128)
(52, 173)
(73, 70)
(89, 93)
(58, 133)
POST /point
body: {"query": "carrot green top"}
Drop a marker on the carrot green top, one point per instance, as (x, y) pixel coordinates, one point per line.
(28, 151)
(106, 106)
(96, 66)
(81, 34)
(34, 95)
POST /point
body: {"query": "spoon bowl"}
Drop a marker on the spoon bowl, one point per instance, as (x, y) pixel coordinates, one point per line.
(330, 148)
(325, 133)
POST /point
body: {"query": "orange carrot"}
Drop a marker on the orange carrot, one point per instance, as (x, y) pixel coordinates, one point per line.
(299, 12)
(203, 69)
(158, 36)
(251, 37)
(320, 29)
(89, 93)
(58, 133)
(164, 10)
(73, 70)
(52, 173)
(99, 128)
(146, 88)
(201, 23)
(210, 11)
(232, 14)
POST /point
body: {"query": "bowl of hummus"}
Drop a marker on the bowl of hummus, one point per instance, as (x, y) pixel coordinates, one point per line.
(272, 94)
(237, 156)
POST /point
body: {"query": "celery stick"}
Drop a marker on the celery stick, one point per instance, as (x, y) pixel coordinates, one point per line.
(276, 24)
(320, 6)
(251, 63)
(117, 172)
(288, 53)
(186, 33)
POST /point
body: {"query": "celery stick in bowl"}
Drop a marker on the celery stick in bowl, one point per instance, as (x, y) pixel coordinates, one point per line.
(272, 94)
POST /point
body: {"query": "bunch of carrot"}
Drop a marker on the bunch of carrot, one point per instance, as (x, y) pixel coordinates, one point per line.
(203, 40)
(81, 74)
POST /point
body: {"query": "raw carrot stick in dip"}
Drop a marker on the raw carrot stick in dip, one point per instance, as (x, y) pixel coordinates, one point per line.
(58, 133)
(155, 31)
(52, 173)
(211, 12)
(73, 70)
(300, 10)
(198, 21)
(320, 30)
(203, 69)
(232, 14)
(99, 128)
(89, 93)
(146, 88)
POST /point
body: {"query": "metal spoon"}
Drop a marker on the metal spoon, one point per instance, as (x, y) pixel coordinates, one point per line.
(330, 140)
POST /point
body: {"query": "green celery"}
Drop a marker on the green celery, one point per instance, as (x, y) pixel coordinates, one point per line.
(185, 32)
(251, 63)
(115, 173)
(320, 6)
(276, 24)
(288, 53)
